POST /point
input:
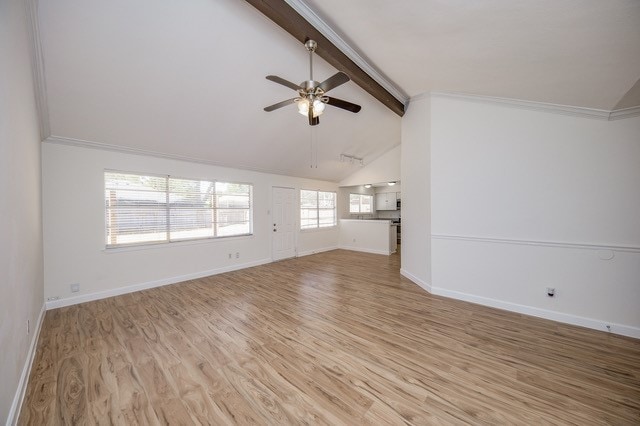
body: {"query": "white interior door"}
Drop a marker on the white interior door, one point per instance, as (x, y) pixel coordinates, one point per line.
(283, 230)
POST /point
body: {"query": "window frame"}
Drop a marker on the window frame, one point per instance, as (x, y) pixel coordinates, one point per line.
(167, 231)
(317, 209)
(360, 203)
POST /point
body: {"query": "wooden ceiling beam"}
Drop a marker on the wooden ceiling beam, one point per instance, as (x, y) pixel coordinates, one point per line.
(293, 23)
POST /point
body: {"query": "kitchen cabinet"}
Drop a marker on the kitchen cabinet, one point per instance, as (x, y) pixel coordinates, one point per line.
(386, 201)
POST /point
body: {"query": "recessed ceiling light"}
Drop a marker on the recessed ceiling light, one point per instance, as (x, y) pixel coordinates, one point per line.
(391, 183)
(368, 186)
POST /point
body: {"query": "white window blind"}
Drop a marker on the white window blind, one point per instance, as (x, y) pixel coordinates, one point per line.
(360, 203)
(151, 209)
(317, 209)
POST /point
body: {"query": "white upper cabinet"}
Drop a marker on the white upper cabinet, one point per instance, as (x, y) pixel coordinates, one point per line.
(386, 201)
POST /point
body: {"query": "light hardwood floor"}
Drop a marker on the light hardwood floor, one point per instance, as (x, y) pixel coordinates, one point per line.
(333, 338)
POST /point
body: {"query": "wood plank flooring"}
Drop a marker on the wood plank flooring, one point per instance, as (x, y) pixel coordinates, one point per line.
(334, 338)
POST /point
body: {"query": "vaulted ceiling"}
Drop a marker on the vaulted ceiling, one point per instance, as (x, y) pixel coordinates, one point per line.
(187, 78)
(583, 53)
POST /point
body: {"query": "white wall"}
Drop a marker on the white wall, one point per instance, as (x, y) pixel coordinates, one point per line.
(416, 193)
(522, 200)
(73, 202)
(383, 169)
(370, 236)
(21, 278)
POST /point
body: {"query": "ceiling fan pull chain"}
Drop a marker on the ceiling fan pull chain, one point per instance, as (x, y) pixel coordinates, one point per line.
(314, 138)
(311, 146)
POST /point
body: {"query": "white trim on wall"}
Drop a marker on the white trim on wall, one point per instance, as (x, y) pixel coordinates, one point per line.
(316, 251)
(364, 250)
(595, 324)
(62, 302)
(61, 140)
(575, 111)
(561, 244)
(16, 405)
(425, 285)
(619, 114)
(37, 67)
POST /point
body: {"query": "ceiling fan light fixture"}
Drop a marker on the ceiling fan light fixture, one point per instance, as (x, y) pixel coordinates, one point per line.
(303, 107)
(312, 93)
(318, 107)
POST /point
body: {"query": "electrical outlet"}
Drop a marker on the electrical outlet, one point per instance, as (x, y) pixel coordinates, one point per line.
(229, 255)
(237, 255)
(75, 288)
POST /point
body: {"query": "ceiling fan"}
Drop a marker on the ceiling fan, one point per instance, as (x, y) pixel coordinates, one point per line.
(312, 99)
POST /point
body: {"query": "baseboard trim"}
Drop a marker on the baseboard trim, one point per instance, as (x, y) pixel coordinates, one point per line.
(601, 325)
(425, 285)
(60, 303)
(16, 405)
(316, 251)
(365, 250)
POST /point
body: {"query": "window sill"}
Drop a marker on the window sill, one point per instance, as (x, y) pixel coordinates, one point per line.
(161, 245)
(325, 228)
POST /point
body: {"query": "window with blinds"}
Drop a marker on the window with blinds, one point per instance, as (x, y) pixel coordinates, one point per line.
(153, 209)
(360, 203)
(317, 209)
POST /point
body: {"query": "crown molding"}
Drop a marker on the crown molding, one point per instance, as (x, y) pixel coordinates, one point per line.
(307, 13)
(37, 68)
(619, 114)
(421, 96)
(61, 140)
(529, 105)
(599, 114)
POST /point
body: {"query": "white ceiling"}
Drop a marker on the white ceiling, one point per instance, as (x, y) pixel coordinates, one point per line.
(582, 53)
(187, 78)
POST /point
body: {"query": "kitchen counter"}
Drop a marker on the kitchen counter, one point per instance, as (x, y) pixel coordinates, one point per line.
(368, 235)
(385, 222)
